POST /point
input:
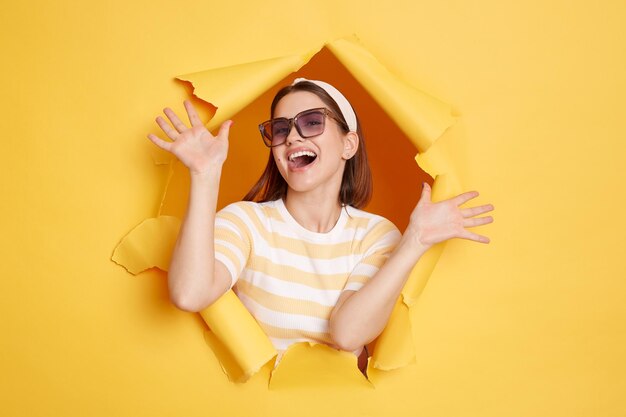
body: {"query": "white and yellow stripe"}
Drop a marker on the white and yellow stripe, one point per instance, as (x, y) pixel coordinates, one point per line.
(291, 278)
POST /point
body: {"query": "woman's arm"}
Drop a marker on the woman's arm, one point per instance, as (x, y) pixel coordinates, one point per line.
(195, 280)
(359, 317)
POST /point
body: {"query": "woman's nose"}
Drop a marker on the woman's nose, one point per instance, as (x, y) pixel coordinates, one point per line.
(293, 135)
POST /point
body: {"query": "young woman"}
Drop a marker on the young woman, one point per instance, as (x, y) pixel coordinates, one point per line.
(307, 262)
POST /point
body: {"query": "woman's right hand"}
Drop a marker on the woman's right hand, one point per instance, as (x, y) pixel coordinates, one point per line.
(194, 146)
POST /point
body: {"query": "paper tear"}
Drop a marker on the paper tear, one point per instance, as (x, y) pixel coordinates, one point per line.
(395, 347)
(240, 344)
(312, 365)
(232, 88)
(148, 245)
(235, 339)
(422, 117)
(159, 156)
(168, 181)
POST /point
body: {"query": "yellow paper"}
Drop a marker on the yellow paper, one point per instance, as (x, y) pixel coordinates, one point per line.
(148, 245)
(395, 346)
(422, 117)
(533, 324)
(240, 344)
(310, 365)
(232, 88)
(236, 338)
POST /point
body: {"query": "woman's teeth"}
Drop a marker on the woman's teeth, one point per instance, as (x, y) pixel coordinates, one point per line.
(301, 153)
(301, 158)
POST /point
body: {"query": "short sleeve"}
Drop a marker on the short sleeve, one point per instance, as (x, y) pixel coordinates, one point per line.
(377, 245)
(232, 239)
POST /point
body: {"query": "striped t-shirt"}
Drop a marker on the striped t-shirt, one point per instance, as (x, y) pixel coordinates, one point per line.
(290, 278)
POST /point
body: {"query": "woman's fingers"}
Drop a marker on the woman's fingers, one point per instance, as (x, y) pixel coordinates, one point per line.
(475, 211)
(166, 128)
(178, 125)
(160, 142)
(464, 198)
(194, 119)
(426, 191)
(477, 221)
(474, 236)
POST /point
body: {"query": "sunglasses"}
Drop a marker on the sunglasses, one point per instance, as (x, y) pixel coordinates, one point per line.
(308, 123)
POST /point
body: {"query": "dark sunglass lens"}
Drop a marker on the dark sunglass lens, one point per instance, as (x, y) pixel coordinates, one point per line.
(311, 124)
(266, 130)
(279, 130)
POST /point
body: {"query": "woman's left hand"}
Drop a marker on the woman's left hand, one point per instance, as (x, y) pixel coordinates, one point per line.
(431, 223)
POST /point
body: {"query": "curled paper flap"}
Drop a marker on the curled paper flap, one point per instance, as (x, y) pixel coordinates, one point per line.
(240, 344)
(148, 245)
(237, 340)
(422, 117)
(395, 346)
(312, 365)
(232, 88)
(442, 160)
(443, 188)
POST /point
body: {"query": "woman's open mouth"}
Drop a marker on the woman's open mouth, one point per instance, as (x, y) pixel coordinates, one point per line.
(301, 159)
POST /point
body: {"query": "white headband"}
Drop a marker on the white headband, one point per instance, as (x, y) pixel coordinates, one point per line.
(344, 105)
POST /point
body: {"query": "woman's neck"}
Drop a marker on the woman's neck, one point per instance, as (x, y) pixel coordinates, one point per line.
(313, 212)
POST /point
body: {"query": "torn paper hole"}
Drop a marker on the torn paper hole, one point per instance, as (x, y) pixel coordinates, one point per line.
(416, 122)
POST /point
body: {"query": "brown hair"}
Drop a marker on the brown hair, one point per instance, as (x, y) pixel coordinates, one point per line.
(356, 184)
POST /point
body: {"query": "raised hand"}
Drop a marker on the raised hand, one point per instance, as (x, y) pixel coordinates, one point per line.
(431, 223)
(194, 146)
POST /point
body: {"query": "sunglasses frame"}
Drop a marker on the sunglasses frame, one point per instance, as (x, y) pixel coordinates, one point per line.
(294, 122)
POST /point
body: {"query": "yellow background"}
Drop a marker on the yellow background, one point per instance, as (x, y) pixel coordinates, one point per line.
(532, 324)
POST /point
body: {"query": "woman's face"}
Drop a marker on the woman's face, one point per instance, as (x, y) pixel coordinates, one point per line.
(316, 163)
